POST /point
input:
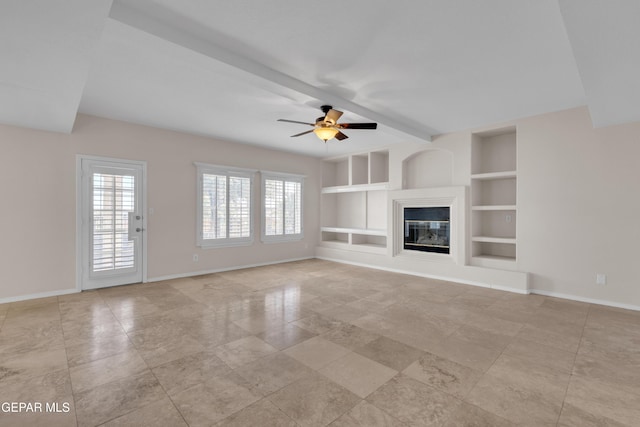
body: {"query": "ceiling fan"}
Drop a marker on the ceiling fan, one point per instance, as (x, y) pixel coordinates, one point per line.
(327, 127)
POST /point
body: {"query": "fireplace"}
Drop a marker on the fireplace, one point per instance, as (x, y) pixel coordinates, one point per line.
(427, 229)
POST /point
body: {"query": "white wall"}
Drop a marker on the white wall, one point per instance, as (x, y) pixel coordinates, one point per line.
(38, 171)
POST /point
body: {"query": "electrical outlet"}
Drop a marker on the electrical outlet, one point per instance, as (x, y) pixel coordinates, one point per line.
(601, 279)
(195, 257)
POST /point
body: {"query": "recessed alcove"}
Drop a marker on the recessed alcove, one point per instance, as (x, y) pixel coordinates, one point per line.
(428, 169)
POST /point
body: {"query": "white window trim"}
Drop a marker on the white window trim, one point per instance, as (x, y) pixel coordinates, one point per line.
(205, 168)
(283, 177)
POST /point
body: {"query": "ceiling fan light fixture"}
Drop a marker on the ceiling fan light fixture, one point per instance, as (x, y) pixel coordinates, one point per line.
(325, 133)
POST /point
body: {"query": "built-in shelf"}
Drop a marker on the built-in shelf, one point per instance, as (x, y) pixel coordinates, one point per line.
(493, 261)
(354, 188)
(363, 231)
(488, 239)
(354, 202)
(494, 198)
(494, 175)
(494, 208)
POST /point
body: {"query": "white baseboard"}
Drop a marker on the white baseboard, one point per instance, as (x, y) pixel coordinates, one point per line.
(466, 282)
(428, 276)
(220, 270)
(154, 279)
(583, 299)
(38, 295)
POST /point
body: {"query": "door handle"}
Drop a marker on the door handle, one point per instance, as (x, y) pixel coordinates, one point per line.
(139, 229)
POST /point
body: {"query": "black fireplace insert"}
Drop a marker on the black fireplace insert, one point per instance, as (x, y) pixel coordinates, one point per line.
(427, 229)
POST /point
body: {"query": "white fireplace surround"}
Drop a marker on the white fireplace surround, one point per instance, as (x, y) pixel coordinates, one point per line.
(453, 197)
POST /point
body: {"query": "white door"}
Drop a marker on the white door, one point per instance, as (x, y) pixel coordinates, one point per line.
(112, 225)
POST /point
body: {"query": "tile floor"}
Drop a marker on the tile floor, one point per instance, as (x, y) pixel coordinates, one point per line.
(316, 343)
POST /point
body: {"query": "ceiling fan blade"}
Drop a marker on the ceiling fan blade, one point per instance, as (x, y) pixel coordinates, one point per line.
(333, 115)
(295, 121)
(301, 133)
(340, 136)
(358, 125)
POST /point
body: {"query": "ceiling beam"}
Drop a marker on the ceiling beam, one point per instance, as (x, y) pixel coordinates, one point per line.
(168, 31)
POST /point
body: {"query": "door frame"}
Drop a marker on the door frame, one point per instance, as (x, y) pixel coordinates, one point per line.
(80, 245)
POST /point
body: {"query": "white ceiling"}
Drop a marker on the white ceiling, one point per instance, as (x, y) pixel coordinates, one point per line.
(229, 70)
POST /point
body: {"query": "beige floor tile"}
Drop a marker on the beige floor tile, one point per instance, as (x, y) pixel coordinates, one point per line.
(564, 341)
(31, 316)
(515, 402)
(31, 303)
(316, 352)
(614, 337)
(358, 374)
(388, 352)
(376, 323)
(256, 325)
(52, 388)
(102, 371)
(367, 305)
(350, 336)
(32, 363)
(131, 306)
(366, 415)
(183, 373)
(92, 328)
(319, 324)
(531, 375)
(471, 416)
(87, 350)
(111, 400)
(413, 402)
(262, 413)
(544, 360)
(461, 351)
(494, 324)
(443, 374)
(544, 355)
(244, 350)
(344, 313)
(314, 400)
(18, 338)
(163, 344)
(157, 414)
(602, 399)
(146, 321)
(572, 417)
(615, 367)
(286, 336)
(481, 337)
(210, 402)
(211, 334)
(322, 303)
(473, 300)
(273, 372)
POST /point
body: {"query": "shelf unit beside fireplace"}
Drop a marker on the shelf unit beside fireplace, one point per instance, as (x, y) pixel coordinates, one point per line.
(494, 198)
(354, 202)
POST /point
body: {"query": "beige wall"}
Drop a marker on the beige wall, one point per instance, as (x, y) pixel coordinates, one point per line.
(38, 190)
(578, 203)
(579, 206)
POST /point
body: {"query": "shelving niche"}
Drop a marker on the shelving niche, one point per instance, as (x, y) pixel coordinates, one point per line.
(494, 198)
(354, 202)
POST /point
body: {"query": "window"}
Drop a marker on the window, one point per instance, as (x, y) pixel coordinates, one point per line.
(282, 207)
(225, 216)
